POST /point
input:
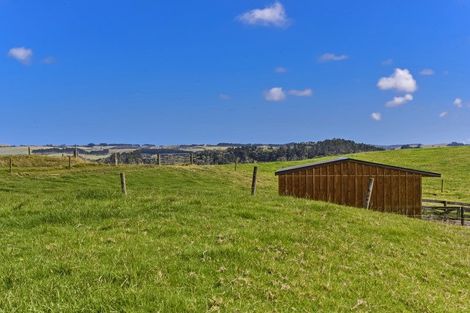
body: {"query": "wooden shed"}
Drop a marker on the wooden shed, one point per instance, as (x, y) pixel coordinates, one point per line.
(357, 183)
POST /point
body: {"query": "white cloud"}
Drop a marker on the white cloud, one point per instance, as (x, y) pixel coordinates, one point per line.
(21, 54)
(399, 101)
(224, 96)
(387, 62)
(280, 70)
(427, 72)
(376, 116)
(400, 80)
(275, 94)
(458, 103)
(301, 93)
(443, 114)
(274, 15)
(328, 57)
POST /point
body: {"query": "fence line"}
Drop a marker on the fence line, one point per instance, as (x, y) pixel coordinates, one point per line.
(451, 211)
(175, 158)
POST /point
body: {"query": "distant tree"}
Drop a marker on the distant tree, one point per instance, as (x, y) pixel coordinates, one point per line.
(455, 144)
(414, 146)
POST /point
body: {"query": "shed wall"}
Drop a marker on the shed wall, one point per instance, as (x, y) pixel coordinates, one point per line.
(346, 183)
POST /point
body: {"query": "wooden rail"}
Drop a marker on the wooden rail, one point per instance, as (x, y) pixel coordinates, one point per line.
(184, 158)
(447, 210)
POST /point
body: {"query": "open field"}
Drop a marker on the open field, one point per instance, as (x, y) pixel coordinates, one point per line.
(192, 239)
(23, 150)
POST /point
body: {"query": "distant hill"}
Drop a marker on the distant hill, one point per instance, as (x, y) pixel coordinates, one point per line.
(252, 153)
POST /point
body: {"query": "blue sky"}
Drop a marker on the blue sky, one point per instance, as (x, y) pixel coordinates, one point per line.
(209, 71)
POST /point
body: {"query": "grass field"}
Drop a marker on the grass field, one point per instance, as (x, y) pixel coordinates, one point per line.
(192, 239)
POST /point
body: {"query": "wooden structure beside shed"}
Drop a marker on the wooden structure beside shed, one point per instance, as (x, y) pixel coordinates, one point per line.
(346, 181)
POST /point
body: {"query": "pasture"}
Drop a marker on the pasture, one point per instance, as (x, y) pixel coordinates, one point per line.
(192, 239)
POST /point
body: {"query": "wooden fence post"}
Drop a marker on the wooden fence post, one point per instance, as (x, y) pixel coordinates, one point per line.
(11, 166)
(29, 150)
(369, 193)
(462, 216)
(70, 163)
(191, 159)
(253, 181)
(236, 164)
(116, 161)
(158, 160)
(123, 184)
(442, 185)
(446, 213)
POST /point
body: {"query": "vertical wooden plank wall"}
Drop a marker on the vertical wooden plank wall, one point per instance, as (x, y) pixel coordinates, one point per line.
(309, 184)
(379, 189)
(323, 184)
(346, 183)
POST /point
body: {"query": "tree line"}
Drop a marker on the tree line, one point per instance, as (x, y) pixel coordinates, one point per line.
(248, 153)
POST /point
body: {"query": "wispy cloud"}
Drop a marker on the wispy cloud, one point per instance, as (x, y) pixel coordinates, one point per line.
(301, 93)
(400, 80)
(21, 54)
(399, 101)
(387, 62)
(49, 60)
(443, 114)
(275, 94)
(280, 70)
(224, 96)
(376, 116)
(331, 57)
(274, 15)
(427, 72)
(458, 102)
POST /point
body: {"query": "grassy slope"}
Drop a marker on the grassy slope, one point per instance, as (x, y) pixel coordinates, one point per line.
(31, 163)
(192, 239)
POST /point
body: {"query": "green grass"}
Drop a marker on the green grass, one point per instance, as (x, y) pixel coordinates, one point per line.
(192, 239)
(32, 163)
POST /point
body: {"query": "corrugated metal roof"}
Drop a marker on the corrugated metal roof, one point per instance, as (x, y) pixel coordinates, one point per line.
(311, 165)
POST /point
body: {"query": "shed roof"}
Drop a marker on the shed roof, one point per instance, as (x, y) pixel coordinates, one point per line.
(312, 165)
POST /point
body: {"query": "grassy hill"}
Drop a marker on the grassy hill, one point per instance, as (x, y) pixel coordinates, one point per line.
(192, 239)
(33, 162)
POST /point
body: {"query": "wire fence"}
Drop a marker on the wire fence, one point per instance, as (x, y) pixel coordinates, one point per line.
(446, 211)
